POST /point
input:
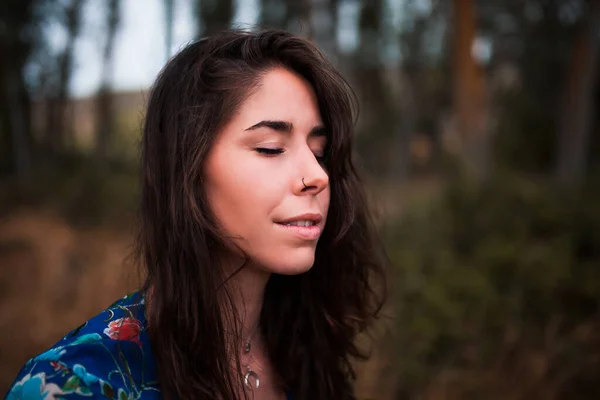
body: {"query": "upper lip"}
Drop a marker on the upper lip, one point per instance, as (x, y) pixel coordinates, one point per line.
(315, 217)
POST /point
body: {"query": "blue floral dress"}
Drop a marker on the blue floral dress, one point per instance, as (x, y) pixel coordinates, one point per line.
(109, 356)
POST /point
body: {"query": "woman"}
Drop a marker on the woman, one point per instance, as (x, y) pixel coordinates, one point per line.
(254, 235)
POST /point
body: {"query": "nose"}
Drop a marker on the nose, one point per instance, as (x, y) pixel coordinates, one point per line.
(313, 177)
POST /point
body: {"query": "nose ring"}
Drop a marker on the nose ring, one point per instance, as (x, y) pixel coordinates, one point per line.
(304, 183)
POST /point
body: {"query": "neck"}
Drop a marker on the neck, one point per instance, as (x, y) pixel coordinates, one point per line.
(247, 288)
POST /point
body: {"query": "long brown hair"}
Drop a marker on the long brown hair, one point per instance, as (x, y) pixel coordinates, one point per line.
(309, 321)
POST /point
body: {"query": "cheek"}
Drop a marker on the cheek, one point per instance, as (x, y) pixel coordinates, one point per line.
(243, 196)
(240, 193)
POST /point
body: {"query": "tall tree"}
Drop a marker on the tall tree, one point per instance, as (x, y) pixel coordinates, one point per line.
(292, 15)
(58, 121)
(403, 94)
(214, 15)
(577, 113)
(272, 14)
(324, 26)
(470, 104)
(169, 9)
(104, 113)
(370, 77)
(17, 41)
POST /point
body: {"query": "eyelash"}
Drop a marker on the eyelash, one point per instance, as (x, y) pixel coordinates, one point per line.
(274, 152)
(269, 152)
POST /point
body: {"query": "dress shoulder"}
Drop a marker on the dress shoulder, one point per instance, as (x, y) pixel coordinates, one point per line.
(108, 356)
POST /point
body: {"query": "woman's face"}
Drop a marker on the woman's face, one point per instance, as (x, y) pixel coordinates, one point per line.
(254, 175)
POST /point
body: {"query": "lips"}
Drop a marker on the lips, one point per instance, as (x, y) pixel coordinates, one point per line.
(305, 226)
(313, 218)
(312, 232)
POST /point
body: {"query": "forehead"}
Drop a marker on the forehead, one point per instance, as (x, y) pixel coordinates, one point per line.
(281, 95)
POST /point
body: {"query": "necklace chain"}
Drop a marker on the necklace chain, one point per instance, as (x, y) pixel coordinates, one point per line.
(251, 378)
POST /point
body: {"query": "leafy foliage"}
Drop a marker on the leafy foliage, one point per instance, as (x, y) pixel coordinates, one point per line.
(499, 284)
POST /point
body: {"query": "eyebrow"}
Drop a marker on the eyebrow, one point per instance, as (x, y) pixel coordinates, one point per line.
(287, 127)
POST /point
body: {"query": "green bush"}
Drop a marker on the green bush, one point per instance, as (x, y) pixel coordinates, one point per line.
(497, 290)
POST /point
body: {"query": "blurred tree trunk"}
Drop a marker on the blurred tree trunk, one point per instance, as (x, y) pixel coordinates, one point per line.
(324, 24)
(104, 112)
(399, 168)
(410, 89)
(214, 15)
(378, 111)
(370, 26)
(576, 113)
(470, 106)
(291, 15)
(59, 124)
(299, 13)
(16, 18)
(273, 14)
(405, 125)
(19, 109)
(168, 27)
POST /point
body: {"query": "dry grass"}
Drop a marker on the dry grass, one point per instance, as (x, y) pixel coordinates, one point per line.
(53, 277)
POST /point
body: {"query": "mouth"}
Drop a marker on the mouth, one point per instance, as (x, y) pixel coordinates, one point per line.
(305, 226)
(298, 223)
(308, 219)
(312, 232)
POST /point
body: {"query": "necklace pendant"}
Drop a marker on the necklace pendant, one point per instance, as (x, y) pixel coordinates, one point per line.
(249, 377)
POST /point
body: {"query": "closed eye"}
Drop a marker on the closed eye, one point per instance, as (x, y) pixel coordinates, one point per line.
(322, 156)
(270, 152)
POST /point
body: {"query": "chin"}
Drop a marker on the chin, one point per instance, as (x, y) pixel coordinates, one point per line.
(295, 269)
(298, 264)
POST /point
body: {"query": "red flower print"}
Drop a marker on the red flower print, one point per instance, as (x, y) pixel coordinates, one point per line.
(58, 366)
(124, 329)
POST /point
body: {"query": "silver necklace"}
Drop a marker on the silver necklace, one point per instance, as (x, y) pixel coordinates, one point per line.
(251, 378)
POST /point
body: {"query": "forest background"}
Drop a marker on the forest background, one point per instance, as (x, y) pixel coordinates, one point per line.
(478, 137)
